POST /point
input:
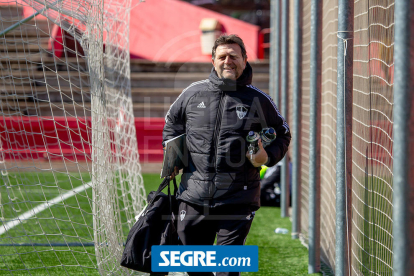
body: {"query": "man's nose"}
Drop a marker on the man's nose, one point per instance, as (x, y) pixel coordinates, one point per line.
(227, 60)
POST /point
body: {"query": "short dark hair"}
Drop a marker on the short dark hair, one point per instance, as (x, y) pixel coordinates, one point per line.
(229, 39)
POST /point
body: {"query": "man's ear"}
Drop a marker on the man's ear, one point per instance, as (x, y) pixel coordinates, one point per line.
(212, 61)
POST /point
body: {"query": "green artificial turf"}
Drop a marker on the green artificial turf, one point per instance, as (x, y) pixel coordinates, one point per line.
(278, 254)
(43, 260)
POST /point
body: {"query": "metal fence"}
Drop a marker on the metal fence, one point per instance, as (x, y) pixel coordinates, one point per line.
(344, 135)
(372, 138)
(328, 130)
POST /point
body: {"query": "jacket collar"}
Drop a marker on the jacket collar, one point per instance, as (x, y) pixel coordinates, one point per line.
(231, 85)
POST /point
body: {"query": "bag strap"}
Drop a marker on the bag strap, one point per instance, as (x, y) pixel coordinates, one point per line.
(175, 186)
(171, 208)
(169, 194)
(165, 183)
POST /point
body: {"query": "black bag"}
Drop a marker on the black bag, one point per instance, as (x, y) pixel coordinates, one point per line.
(156, 225)
(270, 190)
(270, 187)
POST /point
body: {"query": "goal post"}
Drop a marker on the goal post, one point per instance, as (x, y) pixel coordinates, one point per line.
(70, 172)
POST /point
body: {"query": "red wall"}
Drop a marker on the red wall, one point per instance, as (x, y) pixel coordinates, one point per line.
(168, 30)
(69, 138)
(149, 137)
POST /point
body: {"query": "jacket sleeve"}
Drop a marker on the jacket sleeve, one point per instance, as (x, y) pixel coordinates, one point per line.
(278, 148)
(175, 119)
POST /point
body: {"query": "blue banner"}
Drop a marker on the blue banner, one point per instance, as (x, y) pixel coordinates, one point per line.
(205, 258)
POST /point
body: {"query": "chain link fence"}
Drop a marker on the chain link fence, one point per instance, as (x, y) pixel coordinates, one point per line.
(369, 241)
(372, 140)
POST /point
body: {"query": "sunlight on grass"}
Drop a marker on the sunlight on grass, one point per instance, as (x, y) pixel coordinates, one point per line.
(278, 254)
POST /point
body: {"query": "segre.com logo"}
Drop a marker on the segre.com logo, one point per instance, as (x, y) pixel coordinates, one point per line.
(205, 258)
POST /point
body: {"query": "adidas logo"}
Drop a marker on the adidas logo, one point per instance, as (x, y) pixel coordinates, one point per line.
(201, 105)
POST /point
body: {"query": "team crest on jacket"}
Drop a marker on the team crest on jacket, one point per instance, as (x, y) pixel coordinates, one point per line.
(182, 215)
(241, 111)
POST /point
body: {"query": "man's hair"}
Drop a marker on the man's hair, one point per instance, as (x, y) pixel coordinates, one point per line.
(229, 39)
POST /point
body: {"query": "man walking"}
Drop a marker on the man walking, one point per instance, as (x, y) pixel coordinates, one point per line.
(220, 187)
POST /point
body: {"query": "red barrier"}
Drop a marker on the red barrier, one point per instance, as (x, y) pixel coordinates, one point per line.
(262, 44)
(149, 137)
(31, 138)
(69, 138)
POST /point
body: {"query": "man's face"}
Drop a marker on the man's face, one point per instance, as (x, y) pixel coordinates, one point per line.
(229, 62)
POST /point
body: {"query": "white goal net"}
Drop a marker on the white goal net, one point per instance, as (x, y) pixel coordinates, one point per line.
(70, 183)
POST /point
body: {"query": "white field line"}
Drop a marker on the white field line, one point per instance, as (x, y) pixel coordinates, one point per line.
(17, 220)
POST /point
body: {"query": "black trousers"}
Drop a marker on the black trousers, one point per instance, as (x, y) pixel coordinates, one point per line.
(198, 225)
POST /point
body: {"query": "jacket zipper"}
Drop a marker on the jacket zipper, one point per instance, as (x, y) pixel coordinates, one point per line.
(215, 134)
(218, 127)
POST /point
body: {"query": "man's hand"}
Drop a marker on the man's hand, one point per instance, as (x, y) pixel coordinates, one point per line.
(260, 157)
(175, 172)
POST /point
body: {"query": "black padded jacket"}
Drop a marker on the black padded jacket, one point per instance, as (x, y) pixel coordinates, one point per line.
(216, 116)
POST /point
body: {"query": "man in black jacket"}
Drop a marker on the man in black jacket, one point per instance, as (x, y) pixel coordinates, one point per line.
(220, 187)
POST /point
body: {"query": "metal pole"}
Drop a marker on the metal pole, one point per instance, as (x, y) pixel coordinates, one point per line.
(17, 24)
(344, 135)
(272, 50)
(285, 189)
(297, 118)
(276, 41)
(24, 20)
(403, 187)
(314, 265)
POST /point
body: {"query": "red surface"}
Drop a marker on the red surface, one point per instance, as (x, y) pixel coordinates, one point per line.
(149, 137)
(69, 138)
(56, 42)
(262, 44)
(168, 30)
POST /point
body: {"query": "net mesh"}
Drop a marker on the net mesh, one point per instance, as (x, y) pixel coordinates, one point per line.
(304, 151)
(372, 241)
(372, 138)
(328, 128)
(70, 172)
